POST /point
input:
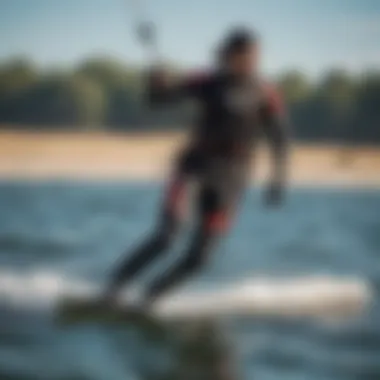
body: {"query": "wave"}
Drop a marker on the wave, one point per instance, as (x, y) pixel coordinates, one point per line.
(39, 288)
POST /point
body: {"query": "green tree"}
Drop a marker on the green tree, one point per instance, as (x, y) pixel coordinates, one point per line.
(367, 116)
(334, 102)
(17, 77)
(87, 101)
(122, 88)
(338, 88)
(294, 86)
(64, 100)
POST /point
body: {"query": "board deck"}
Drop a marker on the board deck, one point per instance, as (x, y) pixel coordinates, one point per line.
(74, 311)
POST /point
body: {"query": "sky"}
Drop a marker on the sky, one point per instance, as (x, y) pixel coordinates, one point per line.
(311, 35)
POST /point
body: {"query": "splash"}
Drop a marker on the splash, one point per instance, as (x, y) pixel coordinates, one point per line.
(307, 296)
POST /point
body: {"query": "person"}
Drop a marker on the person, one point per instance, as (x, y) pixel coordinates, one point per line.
(236, 106)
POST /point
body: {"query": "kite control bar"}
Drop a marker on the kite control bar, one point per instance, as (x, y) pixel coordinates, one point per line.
(146, 32)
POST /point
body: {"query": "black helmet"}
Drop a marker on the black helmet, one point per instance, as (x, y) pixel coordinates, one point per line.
(238, 39)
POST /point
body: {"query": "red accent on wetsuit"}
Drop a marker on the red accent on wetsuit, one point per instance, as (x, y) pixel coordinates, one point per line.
(175, 197)
(217, 222)
(274, 100)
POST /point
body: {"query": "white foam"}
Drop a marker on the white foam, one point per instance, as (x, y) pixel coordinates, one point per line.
(311, 296)
(40, 288)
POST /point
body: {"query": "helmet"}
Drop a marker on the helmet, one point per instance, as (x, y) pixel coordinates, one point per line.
(238, 40)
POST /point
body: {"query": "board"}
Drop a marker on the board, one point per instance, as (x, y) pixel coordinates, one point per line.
(197, 347)
(74, 311)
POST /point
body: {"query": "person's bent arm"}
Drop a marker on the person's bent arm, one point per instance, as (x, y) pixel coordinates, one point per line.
(276, 129)
(161, 90)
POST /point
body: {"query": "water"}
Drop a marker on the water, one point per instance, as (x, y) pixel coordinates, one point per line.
(77, 231)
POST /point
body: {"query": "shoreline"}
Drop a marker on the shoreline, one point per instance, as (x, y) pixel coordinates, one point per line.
(82, 156)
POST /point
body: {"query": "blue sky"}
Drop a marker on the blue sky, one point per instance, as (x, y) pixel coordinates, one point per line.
(312, 35)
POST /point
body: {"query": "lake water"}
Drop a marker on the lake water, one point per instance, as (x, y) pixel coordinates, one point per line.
(78, 230)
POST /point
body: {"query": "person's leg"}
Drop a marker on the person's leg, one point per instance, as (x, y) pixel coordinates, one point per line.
(157, 243)
(213, 221)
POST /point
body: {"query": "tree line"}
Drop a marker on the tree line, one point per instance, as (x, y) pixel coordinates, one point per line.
(105, 94)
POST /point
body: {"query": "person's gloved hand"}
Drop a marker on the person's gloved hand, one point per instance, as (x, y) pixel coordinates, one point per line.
(274, 194)
(157, 76)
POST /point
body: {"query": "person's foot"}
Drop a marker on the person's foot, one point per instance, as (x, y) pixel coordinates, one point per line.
(135, 309)
(107, 299)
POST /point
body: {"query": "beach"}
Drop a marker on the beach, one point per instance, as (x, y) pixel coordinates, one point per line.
(146, 156)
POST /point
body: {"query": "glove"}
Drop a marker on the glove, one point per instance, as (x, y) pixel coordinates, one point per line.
(157, 76)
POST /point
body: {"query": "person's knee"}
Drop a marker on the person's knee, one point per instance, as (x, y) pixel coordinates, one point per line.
(163, 239)
(200, 250)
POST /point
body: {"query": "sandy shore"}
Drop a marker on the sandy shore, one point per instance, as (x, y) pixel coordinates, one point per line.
(97, 156)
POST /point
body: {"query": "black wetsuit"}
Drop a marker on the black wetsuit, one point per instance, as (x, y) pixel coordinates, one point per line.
(233, 113)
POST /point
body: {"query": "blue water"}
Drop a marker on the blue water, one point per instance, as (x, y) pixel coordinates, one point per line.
(79, 230)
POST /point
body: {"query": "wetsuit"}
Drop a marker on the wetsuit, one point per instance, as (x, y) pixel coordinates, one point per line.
(232, 114)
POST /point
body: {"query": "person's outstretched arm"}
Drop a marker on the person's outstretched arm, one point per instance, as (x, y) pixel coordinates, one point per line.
(276, 129)
(161, 90)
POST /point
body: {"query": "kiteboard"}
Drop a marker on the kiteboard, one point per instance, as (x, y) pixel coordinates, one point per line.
(312, 298)
(74, 310)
